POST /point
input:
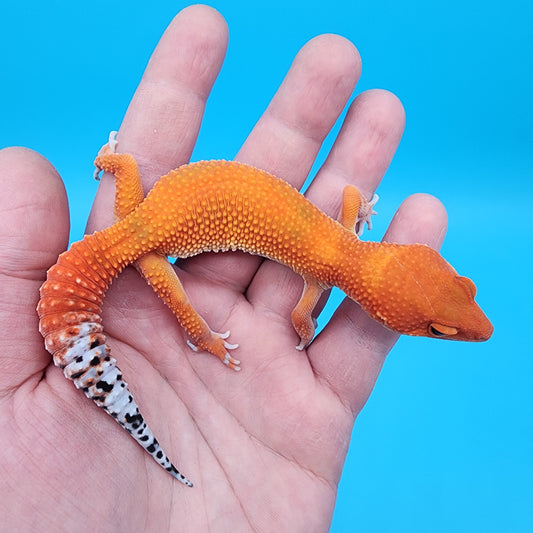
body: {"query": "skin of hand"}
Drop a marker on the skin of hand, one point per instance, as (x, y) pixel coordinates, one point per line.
(265, 447)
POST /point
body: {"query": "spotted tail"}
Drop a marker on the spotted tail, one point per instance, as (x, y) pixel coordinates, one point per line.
(70, 322)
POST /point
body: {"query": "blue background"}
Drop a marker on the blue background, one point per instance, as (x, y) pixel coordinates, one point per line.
(446, 440)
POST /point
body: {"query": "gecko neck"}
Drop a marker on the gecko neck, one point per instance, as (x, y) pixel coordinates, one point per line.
(361, 264)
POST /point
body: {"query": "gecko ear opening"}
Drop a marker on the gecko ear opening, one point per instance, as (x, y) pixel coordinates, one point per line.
(469, 285)
(438, 330)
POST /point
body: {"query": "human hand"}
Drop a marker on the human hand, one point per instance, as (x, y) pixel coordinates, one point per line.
(265, 447)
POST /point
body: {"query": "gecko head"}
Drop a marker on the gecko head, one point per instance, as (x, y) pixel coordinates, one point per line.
(416, 292)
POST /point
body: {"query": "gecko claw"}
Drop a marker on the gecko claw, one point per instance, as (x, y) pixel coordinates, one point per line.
(192, 346)
(112, 142)
(230, 346)
(232, 363)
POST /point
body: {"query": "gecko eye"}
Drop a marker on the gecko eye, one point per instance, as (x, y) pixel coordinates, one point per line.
(438, 330)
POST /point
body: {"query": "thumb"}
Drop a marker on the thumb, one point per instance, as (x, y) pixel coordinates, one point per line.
(34, 227)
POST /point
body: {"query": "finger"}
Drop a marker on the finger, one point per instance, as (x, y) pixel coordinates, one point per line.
(34, 230)
(363, 150)
(162, 122)
(360, 155)
(349, 353)
(286, 139)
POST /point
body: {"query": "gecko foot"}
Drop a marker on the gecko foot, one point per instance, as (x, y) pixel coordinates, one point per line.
(217, 345)
(109, 148)
(365, 215)
(306, 341)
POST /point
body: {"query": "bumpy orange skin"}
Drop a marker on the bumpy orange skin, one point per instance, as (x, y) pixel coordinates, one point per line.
(411, 289)
(219, 205)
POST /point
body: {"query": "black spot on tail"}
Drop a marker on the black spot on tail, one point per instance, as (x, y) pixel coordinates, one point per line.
(152, 447)
(104, 386)
(134, 420)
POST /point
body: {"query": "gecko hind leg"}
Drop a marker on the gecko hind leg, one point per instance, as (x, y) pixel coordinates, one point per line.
(129, 192)
(161, 276)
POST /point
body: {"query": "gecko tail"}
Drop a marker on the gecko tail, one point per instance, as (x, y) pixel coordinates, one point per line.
(96, 373)
(70, 322)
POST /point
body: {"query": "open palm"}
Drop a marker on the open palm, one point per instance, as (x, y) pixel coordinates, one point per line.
(264, 447)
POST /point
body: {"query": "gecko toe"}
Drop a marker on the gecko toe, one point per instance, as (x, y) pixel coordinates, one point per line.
(192, 346)
(229, 346)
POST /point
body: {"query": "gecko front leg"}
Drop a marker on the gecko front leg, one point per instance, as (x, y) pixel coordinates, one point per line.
(355, 212)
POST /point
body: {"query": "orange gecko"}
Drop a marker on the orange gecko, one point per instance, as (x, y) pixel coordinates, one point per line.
(219, 206)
